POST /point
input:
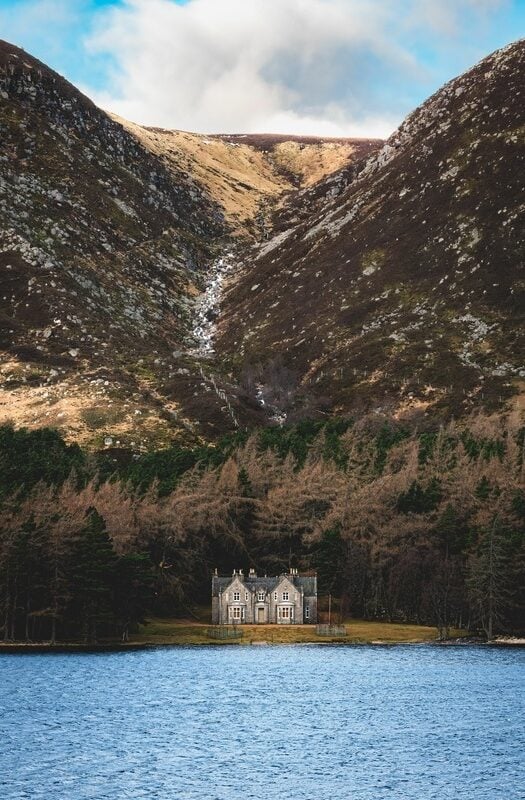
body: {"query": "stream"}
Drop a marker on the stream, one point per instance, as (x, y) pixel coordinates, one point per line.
(207, 307)
(207, 310)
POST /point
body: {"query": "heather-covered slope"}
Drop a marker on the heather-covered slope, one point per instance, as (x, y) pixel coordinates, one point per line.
(107, 234)
(101, 252)
(401, 286)
(394, 283)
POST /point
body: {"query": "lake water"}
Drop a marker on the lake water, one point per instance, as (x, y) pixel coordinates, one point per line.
(312, 723)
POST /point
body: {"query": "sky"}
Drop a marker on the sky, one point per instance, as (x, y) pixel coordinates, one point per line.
(317, 67)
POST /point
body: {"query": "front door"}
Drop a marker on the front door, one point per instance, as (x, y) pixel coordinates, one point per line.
(260, 615)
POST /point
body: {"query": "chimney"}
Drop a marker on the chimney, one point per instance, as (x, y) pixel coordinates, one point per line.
(215, 573)
(252, 573)
(233, 573)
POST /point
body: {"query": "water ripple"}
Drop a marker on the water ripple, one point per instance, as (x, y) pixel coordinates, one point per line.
(406, 723)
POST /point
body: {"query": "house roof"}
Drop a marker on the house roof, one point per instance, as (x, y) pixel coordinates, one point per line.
(308, 583)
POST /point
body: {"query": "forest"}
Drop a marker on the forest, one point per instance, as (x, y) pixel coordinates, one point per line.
(414, 526)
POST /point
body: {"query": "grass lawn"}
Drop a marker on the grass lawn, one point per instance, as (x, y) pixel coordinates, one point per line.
(174, 631)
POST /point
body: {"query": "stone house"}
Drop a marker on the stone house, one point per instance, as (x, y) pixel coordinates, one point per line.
(287, 599)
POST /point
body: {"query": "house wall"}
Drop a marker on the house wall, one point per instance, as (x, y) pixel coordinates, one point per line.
(294, 601)
(215, 610)
(311, 602)
(221, 605)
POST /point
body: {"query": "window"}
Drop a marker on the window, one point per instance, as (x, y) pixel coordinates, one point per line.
(285, 613)
(246, 595)
(307, 612)
(236, 597)
(260, 596)
(275, 595)
(236, 613)
(286, 596)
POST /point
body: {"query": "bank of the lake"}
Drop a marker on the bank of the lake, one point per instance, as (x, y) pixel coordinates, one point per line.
(172, 631)
(176, 632)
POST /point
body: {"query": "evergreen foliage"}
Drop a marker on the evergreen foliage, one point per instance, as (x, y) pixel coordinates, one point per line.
(27, 457)
(423, 527)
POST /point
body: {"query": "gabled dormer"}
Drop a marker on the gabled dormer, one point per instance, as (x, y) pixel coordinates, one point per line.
(262, 594)
(237, 591)
(285, 591)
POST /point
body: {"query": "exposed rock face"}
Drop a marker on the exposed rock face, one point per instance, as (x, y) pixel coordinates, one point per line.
(399, 284)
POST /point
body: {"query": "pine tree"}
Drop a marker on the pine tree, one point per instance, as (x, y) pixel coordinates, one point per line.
(93, 574)
(132, 591)
(488, 577)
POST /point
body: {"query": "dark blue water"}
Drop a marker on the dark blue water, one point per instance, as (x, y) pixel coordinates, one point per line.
(316, 723)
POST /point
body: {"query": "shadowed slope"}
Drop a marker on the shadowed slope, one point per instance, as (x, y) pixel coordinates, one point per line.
(403, 288)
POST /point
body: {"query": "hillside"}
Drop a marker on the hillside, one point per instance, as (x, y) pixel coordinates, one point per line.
(162, 285)
(398, 285)
(102, 251)
(350, 315)
(249, 175)
(108, 232)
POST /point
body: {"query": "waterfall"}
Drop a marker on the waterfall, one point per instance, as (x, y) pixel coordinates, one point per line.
(207, 307)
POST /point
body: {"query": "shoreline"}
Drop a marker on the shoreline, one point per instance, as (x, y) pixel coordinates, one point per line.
(121, 647)
(183, 632)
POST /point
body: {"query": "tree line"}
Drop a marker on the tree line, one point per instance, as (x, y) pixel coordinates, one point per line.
(400, 525)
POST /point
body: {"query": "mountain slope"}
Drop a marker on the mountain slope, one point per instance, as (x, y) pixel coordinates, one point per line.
(101, 250)
(394, 283)
(403, 289)
(107, 235)
(248, 175)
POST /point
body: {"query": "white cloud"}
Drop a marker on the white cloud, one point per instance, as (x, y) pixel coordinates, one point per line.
(332, 67)
(246, 65)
